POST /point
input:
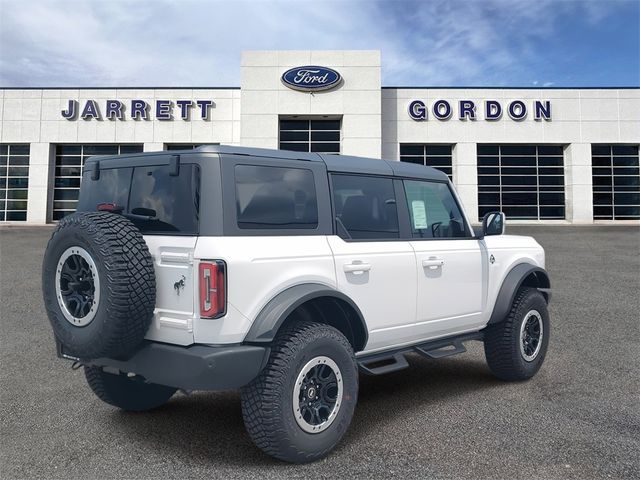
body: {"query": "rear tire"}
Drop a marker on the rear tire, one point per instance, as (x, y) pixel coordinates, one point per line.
(516, 347)
(301, 404)
(127, 393)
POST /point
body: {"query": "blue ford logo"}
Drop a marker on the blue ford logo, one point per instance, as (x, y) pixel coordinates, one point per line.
(311, 78)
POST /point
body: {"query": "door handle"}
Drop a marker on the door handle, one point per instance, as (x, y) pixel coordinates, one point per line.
(433, 263)
(356, 268)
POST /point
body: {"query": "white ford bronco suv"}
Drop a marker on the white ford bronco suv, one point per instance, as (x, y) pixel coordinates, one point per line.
(283, 274)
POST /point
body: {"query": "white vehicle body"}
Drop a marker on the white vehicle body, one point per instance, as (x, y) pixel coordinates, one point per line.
(403, 301)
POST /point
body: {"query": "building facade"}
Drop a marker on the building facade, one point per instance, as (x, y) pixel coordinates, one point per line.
(540, 155)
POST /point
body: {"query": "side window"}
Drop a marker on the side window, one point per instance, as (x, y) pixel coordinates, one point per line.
(365, 207)
(275, 197)
(433, 210)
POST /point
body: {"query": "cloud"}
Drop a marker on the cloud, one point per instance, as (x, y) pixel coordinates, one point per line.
(198, 43)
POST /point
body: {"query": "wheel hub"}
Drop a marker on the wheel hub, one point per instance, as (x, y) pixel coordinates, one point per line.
(317, 394)
(77, 286)
(531, 334)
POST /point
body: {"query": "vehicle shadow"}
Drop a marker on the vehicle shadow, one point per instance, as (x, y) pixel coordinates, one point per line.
(207, 428)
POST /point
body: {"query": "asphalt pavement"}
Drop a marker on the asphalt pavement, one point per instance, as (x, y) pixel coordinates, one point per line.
(449, 418)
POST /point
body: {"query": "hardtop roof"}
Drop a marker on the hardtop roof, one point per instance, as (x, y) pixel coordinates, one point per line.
(334, 163)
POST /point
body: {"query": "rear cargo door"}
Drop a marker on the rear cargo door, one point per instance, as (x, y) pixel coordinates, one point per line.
(164, 205)
(163, 202)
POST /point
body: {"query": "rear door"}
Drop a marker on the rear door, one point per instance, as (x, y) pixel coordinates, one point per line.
(451, 264)
(373, 266)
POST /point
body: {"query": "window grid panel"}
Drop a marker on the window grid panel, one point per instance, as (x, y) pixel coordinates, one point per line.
(615, 173)
(14, 181)
(70, 160)
(431, 155)
(503, 178)
(322, 136)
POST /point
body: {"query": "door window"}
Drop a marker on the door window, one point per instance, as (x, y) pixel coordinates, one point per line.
(365, 207)
(433, 211)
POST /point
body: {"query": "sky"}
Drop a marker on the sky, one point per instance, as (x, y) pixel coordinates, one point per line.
(187, 43)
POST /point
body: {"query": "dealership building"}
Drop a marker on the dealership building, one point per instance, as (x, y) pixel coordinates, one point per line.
(541, 155)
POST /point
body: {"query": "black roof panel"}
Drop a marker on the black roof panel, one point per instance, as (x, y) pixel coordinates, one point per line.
(404, 169)
(348, 164)
(334, 163)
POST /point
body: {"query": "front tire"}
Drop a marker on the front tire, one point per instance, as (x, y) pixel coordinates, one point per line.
(301, 404)
(126, 393)
(516, 347)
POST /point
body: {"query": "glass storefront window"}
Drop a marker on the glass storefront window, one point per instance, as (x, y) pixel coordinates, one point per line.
(436, 156)
(524, 181)
(615, 173)
(68, 173)
(319, 136)
(14, 182)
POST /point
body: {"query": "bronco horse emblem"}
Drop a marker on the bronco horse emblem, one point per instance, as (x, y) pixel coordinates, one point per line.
(179, 284)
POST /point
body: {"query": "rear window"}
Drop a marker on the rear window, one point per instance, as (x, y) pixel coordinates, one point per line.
(113, 186)
(155, 201)
(275, 197)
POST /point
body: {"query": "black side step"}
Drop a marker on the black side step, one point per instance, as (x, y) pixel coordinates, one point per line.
(383, 363)
(441, 349)
(391, 361)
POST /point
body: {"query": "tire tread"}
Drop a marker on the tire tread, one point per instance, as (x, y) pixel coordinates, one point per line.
(129, 279)
(261, 398)
(501, 341)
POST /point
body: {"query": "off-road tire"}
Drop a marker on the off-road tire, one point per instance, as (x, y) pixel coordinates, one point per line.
(126, 284)
(267, 401)
(130, 394)
(502, 340)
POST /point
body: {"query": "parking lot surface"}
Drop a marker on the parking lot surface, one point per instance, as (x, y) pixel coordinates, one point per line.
(449, 418)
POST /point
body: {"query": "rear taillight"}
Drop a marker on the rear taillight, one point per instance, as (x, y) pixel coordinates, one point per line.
(212, 288)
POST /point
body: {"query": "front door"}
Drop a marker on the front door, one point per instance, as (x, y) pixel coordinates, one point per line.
(451, 264)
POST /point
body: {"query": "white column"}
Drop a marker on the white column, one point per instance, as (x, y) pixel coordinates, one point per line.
(578, 183)
(465, 177)
(41, 169)
(153, 147)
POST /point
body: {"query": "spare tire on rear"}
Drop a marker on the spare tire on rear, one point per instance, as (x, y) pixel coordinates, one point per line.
(98, 284)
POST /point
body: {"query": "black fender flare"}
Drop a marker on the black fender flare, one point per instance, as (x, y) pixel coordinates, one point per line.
(267, 323)
(512, 283)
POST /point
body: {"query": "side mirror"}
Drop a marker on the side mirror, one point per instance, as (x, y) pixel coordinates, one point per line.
(493, 223)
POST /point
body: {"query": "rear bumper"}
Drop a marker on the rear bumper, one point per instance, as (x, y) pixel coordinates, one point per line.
(197, 367)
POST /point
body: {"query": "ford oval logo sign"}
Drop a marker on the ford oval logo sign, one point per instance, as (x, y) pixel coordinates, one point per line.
(311, 78)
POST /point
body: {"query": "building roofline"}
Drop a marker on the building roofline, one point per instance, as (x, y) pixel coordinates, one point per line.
(509, 88)
(428, 87)
(119, 88)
